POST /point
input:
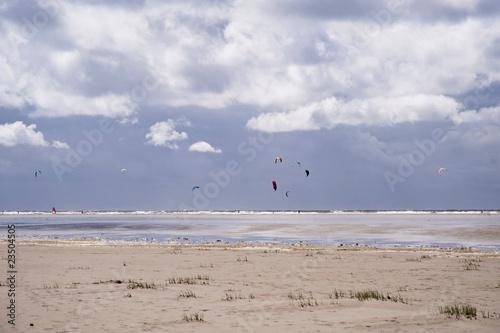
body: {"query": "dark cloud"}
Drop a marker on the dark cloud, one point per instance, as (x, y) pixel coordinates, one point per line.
(325, 10)
(209, 78)
(488, 7)
(33, 18)
(440, 11)
(428, 10)
(118, 3)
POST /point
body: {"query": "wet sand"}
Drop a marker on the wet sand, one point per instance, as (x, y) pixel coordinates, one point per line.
(77, 288)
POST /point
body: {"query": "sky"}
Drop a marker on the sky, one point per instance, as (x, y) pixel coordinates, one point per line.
(371, 97)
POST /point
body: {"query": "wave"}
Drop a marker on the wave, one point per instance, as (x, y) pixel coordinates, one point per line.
(248, 212)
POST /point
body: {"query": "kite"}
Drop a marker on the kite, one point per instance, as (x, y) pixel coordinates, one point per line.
(124, 170)
(275, 187)
(439, 172)
(194, 188)
(278, 159)
(296, 162)
(37, 173)
(287, 193)
(307, 173)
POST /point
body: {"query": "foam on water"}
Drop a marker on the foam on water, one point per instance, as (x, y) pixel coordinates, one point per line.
(254, 212)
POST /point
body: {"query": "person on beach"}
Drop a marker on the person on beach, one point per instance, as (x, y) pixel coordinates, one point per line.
(53, 210)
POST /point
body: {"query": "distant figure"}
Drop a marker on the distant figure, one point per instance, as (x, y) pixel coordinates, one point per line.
(53, 210)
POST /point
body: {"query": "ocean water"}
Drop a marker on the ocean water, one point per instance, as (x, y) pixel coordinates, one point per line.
(479, 230)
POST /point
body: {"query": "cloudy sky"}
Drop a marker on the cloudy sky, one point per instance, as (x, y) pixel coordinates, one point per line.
(372, 97)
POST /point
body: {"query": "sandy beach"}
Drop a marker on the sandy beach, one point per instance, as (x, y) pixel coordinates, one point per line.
(77, 288)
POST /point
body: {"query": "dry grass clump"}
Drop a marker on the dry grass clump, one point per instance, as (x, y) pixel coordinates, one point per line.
(187, 294)
(199, 279)
(458, 311)
(368, 294)
(302, 300)
(193, 317)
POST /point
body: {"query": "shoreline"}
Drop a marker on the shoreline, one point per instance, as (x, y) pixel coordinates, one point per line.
(242, 246)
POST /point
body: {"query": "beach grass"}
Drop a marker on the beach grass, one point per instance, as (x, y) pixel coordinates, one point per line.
(458, 311)
(193, 317)
(231, 297)
(337, 294)
(131, 284)
(471, 264)
(187, 294)
(51, 286)
(199, 279)
(302, 300)
(369, 294)
(419, 259)
(142, 285)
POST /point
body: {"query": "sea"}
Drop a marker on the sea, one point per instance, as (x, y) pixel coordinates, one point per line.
(446, 229)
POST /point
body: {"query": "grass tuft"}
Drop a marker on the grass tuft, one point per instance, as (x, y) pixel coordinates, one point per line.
(471, 264)
(143, 285)
(369, 294)
(193, 317)
(187, 294)
(230, 297)
(51, 286)
(200, 279)
(303, 301)
(458, 311)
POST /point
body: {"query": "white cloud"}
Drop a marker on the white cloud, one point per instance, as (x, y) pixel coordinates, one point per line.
(126, 121)
(163, 133)
(60, 145)
(204, 147)
(373, 111)
(489, 116)
(52, 103)
(18, 133)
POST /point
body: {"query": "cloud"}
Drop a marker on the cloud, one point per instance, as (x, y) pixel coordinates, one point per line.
(163, 133)
(18, 133)
(52, 103)
(60, 145)
(204, 147)
(489, 115)
(97, 59)
(378, 111)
